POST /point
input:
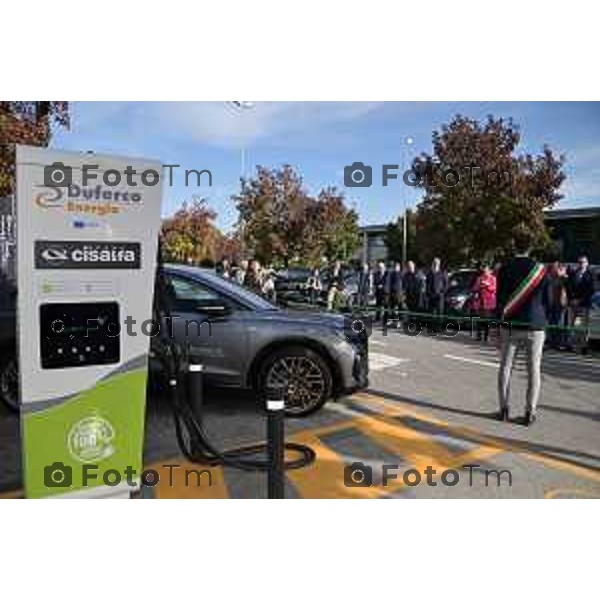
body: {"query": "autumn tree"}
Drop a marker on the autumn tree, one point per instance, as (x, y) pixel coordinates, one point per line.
(331, 228)
(280, 222)
(478, 191)
(394, 238)
(190, 235)
(230, 246)
(272, 211)
(25, 123)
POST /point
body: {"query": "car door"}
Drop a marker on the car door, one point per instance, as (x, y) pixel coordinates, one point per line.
(212, 325)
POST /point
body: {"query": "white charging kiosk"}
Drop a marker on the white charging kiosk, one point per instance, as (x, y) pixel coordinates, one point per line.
(86, 259)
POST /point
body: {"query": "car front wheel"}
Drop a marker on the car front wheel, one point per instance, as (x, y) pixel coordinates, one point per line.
(299, 376)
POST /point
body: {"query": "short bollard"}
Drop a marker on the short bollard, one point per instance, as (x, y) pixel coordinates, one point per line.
(196, 373)
(276, 448)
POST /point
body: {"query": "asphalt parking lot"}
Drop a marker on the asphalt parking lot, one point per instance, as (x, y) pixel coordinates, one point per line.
(428, 413)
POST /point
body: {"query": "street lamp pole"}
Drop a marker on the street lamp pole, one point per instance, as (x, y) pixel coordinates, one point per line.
(405, 142)
(241, 106)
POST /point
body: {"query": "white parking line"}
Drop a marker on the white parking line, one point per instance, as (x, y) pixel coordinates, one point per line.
(474, 361)
(378, 362)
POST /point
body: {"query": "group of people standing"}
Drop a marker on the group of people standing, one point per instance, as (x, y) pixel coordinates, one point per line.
(569, 301)
(251, 274)
(394, 289)
(397, 289)
(568, 295)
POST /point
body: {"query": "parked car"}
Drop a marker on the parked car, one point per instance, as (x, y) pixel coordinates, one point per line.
(460, 283)
(245, 341)
(291, 285)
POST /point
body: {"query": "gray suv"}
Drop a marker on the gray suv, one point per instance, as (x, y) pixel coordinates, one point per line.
(245, 341)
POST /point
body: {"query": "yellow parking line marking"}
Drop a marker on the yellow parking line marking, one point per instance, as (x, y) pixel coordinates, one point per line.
(190, 480)
(418, 447)
(503, 445)
(325, 477)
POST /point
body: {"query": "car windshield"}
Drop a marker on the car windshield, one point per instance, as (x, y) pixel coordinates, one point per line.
(228, 287)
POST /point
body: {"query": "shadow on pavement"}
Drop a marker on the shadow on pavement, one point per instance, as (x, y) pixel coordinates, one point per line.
(586, 414)
(566, 455)
(561, 365)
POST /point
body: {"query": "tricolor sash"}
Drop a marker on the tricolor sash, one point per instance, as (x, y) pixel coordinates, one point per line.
(524, 290)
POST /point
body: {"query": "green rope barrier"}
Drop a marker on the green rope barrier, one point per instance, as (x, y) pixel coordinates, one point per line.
(480, 321)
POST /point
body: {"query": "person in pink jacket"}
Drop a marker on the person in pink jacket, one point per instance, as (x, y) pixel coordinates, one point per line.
(483, 300)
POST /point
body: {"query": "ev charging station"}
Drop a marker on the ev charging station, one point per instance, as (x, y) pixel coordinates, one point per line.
(86, 260)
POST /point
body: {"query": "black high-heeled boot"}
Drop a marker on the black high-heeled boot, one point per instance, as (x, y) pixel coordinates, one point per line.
(503, 414)
(529, 418)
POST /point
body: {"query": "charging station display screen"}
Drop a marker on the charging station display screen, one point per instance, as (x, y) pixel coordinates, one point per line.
(79, 334)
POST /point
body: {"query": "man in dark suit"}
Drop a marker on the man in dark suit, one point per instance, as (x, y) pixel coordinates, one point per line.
(364, 286)
(395, 295)
(436, 286)
(580, 289)
(380, 278)
(412, 288)
(522, 298)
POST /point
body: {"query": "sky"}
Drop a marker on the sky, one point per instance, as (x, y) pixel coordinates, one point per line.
(320, 139)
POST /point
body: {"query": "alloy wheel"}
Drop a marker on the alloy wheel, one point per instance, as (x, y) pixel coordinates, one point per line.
(298, 380)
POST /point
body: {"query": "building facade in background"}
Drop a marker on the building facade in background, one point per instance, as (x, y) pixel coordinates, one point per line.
(575, 231)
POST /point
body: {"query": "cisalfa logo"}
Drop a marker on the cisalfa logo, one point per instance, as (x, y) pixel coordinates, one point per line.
(87, 255)
(51, 254)
(97, 200)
